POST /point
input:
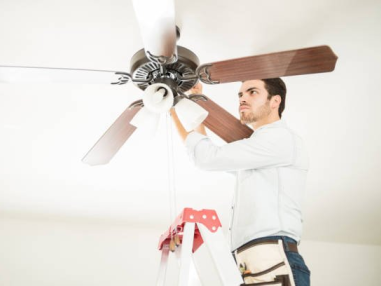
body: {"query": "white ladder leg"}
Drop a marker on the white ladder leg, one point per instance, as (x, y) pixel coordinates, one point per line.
(163, 265)
(186, 253)
(223, 259)
(194, 278)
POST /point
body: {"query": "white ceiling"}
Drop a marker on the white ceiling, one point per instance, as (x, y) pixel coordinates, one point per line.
(46, 129)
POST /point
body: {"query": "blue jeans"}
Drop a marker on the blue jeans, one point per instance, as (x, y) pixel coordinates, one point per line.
(299, 268)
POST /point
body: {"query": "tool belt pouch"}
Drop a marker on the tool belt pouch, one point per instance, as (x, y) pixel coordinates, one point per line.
(265, 264)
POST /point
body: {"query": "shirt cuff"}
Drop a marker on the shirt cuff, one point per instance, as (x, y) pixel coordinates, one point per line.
(192, 139)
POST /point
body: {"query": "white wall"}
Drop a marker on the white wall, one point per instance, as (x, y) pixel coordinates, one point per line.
(46, 253)
(49, 251)
(342, 264)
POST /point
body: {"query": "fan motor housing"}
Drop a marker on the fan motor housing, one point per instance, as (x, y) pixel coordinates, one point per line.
(142, 68)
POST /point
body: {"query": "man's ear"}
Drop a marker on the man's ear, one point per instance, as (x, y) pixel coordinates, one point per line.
(275, 101)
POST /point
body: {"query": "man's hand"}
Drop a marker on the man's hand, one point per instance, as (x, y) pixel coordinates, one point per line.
(180, 128)
(197, 89)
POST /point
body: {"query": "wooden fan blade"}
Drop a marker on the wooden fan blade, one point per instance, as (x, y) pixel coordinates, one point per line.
(296, 62)
(223, 123)
(13, 74)
(112, 140)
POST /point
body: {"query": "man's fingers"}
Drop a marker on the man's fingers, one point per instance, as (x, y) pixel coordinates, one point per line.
(196, 89)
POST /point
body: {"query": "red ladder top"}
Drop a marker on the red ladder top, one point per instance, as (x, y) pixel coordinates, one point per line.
(208, 218)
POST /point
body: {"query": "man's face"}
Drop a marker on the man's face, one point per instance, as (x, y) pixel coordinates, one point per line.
(253, 102)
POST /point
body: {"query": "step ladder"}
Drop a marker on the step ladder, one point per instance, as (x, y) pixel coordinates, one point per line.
(188, 232)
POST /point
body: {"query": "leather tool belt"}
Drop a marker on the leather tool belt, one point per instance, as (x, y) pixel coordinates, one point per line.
(265, 263)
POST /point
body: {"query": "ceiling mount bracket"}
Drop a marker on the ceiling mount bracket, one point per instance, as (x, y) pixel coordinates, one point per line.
(141, 80)
(204, 75)
(137, 103)
(196, 97)
(123, 79)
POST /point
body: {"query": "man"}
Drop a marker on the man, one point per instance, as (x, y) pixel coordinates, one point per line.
(271, 168)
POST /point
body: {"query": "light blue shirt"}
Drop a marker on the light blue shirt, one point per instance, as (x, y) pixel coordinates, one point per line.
(271, 168)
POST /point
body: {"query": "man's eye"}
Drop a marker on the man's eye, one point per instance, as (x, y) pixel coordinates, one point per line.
(253, 91)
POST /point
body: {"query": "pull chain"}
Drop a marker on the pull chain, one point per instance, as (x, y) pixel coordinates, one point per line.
(175, 241)
(171, 170)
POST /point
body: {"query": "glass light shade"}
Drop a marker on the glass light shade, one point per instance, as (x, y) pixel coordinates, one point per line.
(190, 114)
(154, 98)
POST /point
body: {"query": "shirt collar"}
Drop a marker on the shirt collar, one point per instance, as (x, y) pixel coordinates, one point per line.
(277, 123)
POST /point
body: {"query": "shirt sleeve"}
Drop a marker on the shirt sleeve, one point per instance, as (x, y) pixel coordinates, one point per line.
(271, 147)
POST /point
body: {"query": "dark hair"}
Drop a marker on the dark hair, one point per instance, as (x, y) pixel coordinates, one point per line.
(276, 86)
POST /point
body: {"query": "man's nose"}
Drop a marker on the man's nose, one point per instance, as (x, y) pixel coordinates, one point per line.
(242, 99)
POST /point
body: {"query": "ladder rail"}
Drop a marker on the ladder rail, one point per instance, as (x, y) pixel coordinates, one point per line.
(223, 259)
(163, 266)
(186, 253)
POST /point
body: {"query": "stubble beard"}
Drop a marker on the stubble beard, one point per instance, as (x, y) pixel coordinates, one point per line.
(248, 118)
(251, 117)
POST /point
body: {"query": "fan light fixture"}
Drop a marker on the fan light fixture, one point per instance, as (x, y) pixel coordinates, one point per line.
(157, 99)
(190, 114)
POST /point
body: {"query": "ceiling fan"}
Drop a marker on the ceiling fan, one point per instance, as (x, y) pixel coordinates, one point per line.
(173, 69)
